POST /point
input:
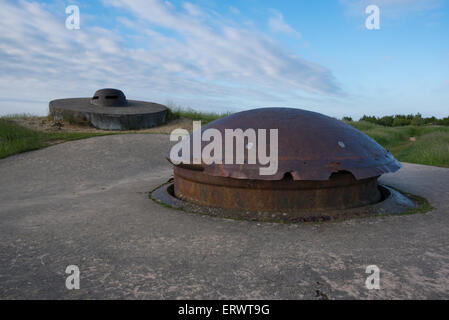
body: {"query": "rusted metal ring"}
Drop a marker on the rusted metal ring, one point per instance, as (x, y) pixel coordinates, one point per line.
(341, 191)
(392, 203)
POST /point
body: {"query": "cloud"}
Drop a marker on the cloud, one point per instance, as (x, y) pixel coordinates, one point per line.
(178, 53)
(192, 9)
(277, 24)
(234, 10)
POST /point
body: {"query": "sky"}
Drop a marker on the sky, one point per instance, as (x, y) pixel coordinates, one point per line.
(230, 55)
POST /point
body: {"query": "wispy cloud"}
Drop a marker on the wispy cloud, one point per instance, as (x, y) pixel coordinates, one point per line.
(278, 24)
(204, 59)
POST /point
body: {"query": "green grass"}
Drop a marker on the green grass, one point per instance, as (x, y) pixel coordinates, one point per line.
(176, 112)
(431, 146)
(431, 149)
(16, 139)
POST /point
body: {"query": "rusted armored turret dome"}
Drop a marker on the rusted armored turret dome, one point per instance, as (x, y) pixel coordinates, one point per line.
(323, 163)
(109, 109)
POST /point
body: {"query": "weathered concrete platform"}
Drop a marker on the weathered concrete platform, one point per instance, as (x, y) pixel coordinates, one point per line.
(132, 115)
(66, 205)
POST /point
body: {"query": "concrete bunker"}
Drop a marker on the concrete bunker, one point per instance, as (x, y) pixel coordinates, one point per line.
(109, 109)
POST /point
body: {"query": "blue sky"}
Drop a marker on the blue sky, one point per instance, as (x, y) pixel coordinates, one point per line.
(230, 55)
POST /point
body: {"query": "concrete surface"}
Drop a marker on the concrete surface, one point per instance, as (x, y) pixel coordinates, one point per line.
(85, 203)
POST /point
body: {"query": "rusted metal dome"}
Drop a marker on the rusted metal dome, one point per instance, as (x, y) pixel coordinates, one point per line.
(312, 146)
(322, 163)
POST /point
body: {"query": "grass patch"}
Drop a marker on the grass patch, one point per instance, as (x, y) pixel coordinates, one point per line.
(16, 139)
(176, 112)
(430, 148)
(362, 125)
